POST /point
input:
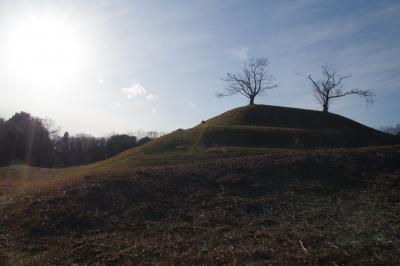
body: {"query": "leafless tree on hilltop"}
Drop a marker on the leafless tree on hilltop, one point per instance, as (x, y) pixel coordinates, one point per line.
(253, 80)
(332, 87)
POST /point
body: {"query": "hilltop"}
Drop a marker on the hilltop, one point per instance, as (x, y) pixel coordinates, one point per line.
(266, 126)
(193, 198)
(286, 117)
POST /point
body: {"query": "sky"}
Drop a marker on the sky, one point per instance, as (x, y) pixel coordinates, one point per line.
(98, 67)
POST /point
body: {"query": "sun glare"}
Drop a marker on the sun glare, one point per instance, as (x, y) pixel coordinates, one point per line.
(44, 50)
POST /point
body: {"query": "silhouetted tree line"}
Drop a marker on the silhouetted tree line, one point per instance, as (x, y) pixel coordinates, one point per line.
(394, 130)
(28, 139)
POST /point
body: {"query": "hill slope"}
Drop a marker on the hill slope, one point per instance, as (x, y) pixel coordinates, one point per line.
(271, 127)
(286, 117)
(207, 196)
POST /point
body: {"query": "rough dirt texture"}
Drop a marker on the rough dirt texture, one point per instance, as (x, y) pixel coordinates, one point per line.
(333, 207)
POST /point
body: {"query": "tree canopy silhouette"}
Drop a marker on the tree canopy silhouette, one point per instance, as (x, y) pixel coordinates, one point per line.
(24, 138)
(252, 81)
(331, 87)
(35, 141)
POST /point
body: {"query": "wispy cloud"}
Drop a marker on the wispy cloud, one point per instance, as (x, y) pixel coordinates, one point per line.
(189, 46)
(389, 11)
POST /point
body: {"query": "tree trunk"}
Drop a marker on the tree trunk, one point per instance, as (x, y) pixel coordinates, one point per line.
(325, 107)
(251, 101)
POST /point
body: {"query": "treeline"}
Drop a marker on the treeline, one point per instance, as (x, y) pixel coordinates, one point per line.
(31, 140)
(394, 130)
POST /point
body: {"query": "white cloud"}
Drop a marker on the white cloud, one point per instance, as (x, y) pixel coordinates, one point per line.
(241, 53)
(154, 111)
(100, 80)
(151, 97)
(134, 90)
(137, 90)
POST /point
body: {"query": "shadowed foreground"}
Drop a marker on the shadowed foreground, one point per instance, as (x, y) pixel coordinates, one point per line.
(328, 207)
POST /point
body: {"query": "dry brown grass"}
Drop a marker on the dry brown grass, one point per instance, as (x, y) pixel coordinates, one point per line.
(252, 208)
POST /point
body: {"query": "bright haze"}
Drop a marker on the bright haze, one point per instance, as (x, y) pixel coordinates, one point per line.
(113, 66)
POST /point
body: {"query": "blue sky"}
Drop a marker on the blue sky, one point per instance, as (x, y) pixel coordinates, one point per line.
(156, 65)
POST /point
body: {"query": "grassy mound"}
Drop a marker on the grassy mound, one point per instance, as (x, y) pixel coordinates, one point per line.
(270, 127)
(286, 117)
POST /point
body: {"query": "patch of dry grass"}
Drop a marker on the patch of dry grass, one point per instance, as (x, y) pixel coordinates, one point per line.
(326, 207)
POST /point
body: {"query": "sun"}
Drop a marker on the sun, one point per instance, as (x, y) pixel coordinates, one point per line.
(44, 50)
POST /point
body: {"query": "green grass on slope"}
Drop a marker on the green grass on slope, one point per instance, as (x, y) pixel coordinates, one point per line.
(268, 127)
(260, 126)
(241, 131)
(286, 117)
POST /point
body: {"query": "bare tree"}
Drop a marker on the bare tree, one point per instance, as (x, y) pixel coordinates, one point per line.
(394, 130)
(254, 80)
(51, 127)
(332, 87)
